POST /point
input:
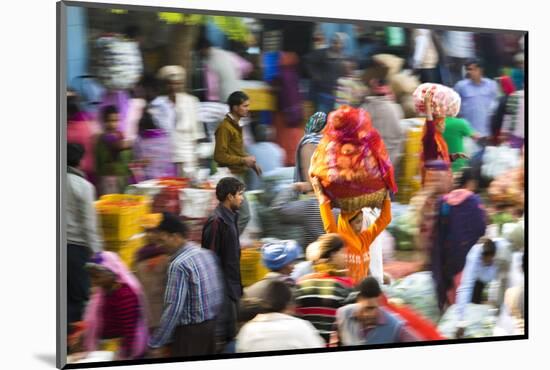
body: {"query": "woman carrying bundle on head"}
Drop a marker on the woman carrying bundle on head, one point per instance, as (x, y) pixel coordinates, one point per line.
(351, 170)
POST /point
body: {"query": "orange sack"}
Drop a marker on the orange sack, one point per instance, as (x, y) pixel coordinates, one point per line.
(351, 161)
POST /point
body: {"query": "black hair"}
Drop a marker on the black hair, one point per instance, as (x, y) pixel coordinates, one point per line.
(73, 106)
(276, 297)
(75, 152)
(132, 31)
(249, 308)
(260, 132)
(467, 175)
(369, 288)
(489, 248)
(150, 86)
(236, 98)
(146, 122)
(107, 111)
(172, 225)
(226, 186)
(203, 43)
(475, 61)
(330, 244)
(360, 213)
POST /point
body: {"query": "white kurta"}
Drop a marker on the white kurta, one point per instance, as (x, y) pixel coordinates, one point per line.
(181, 120)
(277, 332)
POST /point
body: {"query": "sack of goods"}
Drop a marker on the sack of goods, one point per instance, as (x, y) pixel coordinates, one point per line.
(445, 101)
(351, 161)
(117, 62)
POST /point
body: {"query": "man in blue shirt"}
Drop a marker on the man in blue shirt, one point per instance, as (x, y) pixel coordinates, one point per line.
(478, 96)
(193, 297)
(481, 268)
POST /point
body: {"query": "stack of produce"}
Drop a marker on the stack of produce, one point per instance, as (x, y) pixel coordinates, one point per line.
(119, 217)
(481, 321)
(168, 199)
(351, 161)
(252, 268)
(409, 176)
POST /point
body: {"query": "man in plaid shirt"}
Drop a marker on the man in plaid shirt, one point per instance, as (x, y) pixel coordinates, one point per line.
(193, 297)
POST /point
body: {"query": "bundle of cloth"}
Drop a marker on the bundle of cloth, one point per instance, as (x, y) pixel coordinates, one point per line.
(117, 61)
(352, 162)
(445, 101)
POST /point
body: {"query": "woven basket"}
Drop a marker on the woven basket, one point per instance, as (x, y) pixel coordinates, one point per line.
(372, 200)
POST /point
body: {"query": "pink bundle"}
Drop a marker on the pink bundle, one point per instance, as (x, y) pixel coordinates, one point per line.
(445, 101)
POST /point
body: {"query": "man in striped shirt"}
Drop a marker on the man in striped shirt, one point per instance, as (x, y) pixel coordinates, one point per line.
(193, 297)
(320, 294)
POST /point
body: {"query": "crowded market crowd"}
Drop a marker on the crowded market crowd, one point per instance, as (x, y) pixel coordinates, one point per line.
(373, 197)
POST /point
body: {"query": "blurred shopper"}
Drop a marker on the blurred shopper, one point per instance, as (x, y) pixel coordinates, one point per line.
(478, 96)
(350, 90)
(308, 144)
(438, 181)
(275, 329)
(482, 267)
(113, 155)
(459, 46)
(513, 125)
(365, 322)
(153, 150)
(456, 130)
(220, 234)
(116, 310)
(326, 66)
(386, 115)
(320, 294)
(349, 227)
(507, 88)
(224, 70)
(82, 233)
(298, 205)
(193, 298)
(80, 131)
(425, 58)
(229, 150)
(176, 112)
(151, 265)
(279, 257)
(268, 154)
(461, 221)
(518, 72)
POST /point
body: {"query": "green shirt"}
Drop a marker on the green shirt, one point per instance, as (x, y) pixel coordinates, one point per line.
(456, 129)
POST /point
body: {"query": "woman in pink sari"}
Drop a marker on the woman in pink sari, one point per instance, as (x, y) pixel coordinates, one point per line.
(116, 308)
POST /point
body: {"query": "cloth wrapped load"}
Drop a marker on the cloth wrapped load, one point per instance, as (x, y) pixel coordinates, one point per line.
(445, 101)
(117, 62)
(351, 161)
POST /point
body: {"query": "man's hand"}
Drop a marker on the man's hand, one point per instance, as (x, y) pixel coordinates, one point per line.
(257, 169)
(456, 156)
(250, 161)
(302, 187)
(428, 104)
(155, 353)
(318, 189)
